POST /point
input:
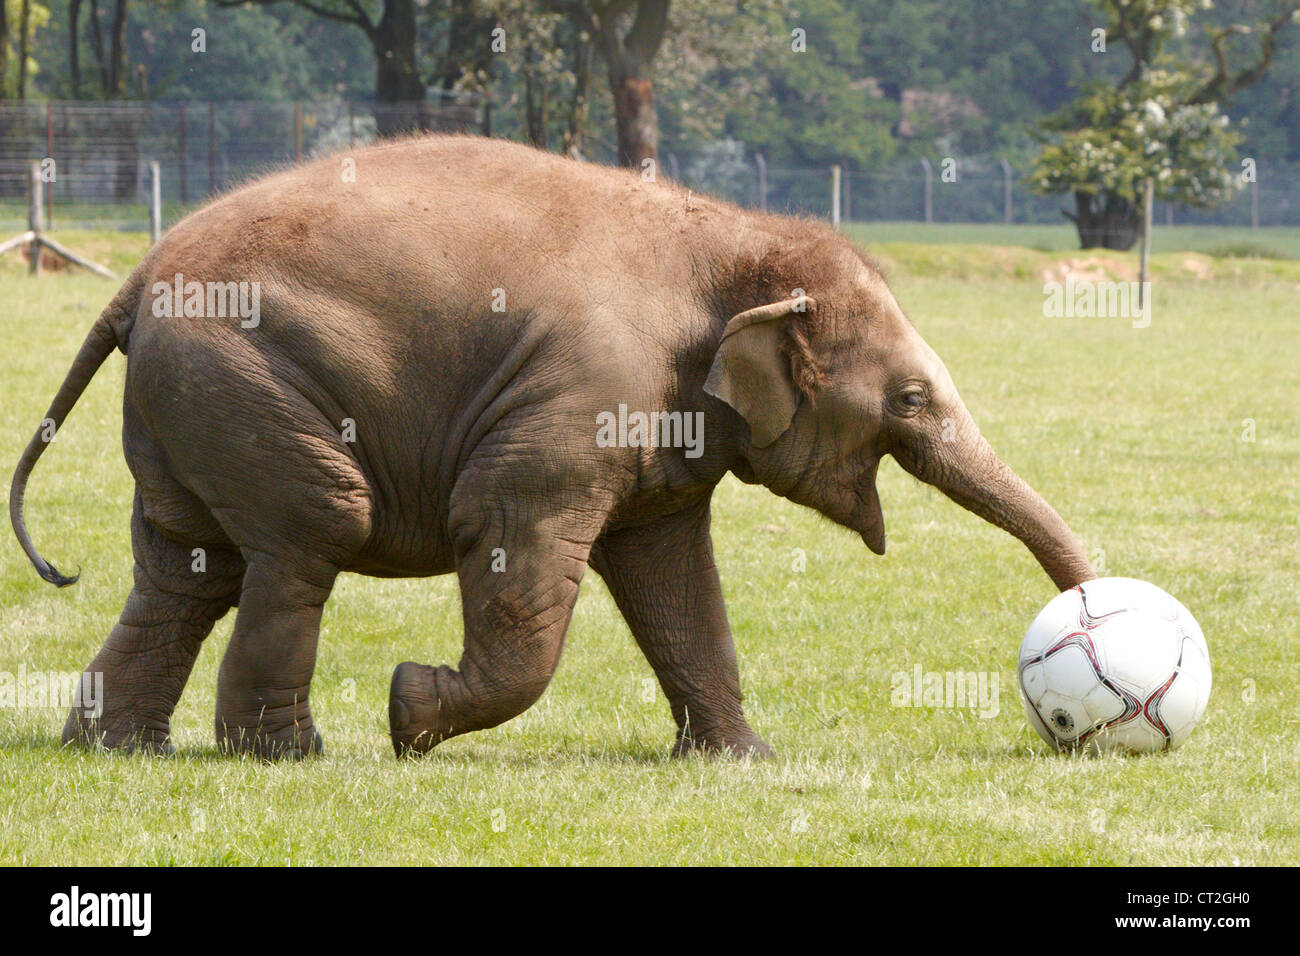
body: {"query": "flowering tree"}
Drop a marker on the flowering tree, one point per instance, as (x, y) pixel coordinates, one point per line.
(1162, 121)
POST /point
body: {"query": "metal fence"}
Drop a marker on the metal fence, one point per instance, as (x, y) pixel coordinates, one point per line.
(101, 152)
(975, 190)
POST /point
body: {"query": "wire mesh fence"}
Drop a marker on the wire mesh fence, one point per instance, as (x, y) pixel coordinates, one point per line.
(974, 190)
(99, 154)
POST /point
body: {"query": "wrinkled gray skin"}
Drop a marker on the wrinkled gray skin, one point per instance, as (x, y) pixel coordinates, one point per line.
(475, 430)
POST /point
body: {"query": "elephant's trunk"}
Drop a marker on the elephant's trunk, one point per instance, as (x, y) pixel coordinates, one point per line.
(972, 475)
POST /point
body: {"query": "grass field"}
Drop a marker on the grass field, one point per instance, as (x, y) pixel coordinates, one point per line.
(1136, 435)
(1272, 242)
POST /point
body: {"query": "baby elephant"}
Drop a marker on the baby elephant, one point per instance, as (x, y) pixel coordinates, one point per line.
(459, 354)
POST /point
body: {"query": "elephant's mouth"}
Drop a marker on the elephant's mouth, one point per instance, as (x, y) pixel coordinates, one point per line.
(869, 520)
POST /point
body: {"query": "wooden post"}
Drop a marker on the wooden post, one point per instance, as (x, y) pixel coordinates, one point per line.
(49, 153)
(848, 196)
(835, 198)
(155, 201)
(212, 149)
(1148, 209)
(929, 189)
(35, 239)
(762, 181)
(1006, 191)
(35, 216)
(297, 132)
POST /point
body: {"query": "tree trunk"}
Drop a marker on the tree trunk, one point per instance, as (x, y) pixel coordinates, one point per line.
(4, 51)
(535, 95)
(575, 129)
(1107, 221)
(74, 45)
(97, 45)
(117, 68)
(635, 117)
(24, 25)
(399, 90)
(629, 60)
(469, 61)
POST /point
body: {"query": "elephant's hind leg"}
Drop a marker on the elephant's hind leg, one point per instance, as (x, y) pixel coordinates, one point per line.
(294, 553)
(137, 677)
(265, 678)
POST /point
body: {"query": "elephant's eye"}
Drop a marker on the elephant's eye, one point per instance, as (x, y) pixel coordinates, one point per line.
(909, 401)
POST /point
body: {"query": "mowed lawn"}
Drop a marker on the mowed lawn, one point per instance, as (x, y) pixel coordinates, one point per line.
(1137, 436)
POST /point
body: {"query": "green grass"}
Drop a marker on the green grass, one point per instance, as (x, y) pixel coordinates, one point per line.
(1135, 436)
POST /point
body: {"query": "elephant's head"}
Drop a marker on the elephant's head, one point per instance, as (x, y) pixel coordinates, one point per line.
(833, 380)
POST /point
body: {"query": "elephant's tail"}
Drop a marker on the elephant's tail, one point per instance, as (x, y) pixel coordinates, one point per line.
(101, 341)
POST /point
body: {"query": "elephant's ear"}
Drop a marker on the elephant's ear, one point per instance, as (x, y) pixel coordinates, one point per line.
(751, 372)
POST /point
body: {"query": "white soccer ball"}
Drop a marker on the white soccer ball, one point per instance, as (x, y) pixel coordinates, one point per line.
(1114, 664)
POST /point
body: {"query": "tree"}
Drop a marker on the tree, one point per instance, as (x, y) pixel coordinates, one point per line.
(1161, 120)
(392, 37)
(111, 66)
(469, 62)
(628, 50)
(4, 49)
(31, 17)
(544, 74)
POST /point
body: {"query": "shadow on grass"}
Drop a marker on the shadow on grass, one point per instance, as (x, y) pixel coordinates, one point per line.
(467, 754)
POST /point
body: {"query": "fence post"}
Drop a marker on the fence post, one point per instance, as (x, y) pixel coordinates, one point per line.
(848, 196)
(674, 171)
(297, 132)
(1006, 191)
(212, 149)
(49, 153)
(35, 216)
(929, 189)
(1148, 208)
(835, 198)
(762, 180)
(155, 200)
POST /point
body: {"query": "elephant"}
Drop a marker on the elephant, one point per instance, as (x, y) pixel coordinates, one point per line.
(458, 354)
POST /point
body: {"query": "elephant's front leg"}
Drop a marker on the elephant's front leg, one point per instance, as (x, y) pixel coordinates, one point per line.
(665, 582)
(519, 577)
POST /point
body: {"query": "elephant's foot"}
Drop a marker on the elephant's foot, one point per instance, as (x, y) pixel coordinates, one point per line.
(124, 733)
(294, 741)
(742, 742)
(413, 710)
(427, 705)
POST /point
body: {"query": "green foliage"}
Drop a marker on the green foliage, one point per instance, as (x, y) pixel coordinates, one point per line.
(1144, 129)
(789, 83)
(1162, 120)
(37, 49)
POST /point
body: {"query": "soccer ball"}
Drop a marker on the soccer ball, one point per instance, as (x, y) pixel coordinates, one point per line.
(1114, 664)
